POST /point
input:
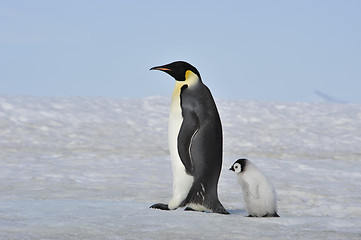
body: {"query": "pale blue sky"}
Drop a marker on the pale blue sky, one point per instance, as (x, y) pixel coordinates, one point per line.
(250, 50)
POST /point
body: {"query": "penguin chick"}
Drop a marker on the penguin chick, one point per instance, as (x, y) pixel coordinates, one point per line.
(258, 193)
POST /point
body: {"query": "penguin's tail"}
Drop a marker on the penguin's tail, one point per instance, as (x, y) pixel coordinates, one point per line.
(199, 195)
(218, 208)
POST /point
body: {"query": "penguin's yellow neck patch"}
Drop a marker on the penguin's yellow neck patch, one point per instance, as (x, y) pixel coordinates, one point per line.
(191, 78)
(188, 73)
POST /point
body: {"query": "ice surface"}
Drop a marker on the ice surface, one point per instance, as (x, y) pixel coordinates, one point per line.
(89, 168)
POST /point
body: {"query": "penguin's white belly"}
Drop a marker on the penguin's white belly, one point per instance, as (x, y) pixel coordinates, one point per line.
(182, 182)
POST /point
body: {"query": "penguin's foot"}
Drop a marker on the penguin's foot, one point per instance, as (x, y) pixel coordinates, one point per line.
(160, 206)
(267, 215)
(189, 209)
(271, 215)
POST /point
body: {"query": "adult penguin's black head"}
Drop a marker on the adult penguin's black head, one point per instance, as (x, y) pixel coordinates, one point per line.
(178, 70)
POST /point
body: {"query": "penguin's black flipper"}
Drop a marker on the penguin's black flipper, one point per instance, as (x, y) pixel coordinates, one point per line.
(186, 134)
(160, 206)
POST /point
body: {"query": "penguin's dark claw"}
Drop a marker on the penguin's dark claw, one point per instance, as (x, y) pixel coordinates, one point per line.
(160, 206)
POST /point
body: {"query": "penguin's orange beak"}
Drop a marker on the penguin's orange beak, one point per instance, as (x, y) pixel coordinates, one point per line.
(161, 69)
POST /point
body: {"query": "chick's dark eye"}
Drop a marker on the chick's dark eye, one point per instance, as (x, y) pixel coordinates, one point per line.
(236, 167)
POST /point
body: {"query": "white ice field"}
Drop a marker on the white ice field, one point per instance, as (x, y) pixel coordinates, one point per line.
(89, 168)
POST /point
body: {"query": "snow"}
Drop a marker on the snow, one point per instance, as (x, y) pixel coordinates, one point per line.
(89, 168)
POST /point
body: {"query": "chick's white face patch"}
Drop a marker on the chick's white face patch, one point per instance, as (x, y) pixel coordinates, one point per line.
(237, 168)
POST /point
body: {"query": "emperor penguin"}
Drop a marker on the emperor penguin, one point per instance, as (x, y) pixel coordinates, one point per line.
(258, 193)
(195, 142)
